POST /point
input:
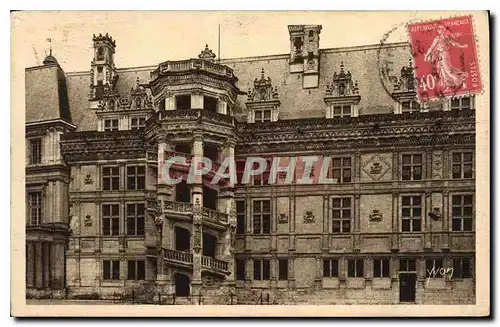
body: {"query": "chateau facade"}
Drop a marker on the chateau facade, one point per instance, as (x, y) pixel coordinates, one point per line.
(396, 226)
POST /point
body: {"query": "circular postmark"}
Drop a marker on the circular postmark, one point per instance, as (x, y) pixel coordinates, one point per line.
(397, 68)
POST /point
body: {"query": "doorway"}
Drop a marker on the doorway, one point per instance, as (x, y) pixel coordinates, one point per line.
(183, 192)
(210, 198)
(182, 239)
(407, 284)
(182, 287)
(209, 245)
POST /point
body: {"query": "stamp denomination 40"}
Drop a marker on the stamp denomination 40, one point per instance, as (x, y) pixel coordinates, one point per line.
(445, 57)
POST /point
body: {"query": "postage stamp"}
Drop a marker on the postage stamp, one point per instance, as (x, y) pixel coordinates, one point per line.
(445, 58)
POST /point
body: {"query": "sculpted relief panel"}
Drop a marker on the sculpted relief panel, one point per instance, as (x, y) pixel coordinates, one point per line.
(376, 167)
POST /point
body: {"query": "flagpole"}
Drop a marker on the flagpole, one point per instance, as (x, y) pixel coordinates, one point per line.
(218, 45)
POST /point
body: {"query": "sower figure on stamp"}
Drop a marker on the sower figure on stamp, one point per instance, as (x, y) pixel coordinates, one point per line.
(450, 78)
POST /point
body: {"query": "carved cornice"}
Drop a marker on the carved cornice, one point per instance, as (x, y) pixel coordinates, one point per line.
(350, 143)
(92, 145)
(347, 123)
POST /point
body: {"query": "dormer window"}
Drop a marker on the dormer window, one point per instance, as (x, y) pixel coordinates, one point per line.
(110, 125)
(262, 115)
(404, 91)
(342, 111)
(462, 103)
(263, 101)
(410, 106)
(342, 95)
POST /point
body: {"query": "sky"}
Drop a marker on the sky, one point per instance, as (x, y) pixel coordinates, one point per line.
(146, 38)
(149, 37)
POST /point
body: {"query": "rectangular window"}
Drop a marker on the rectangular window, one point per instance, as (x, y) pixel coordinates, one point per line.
(110, 178)
(433, 265)
(330, 268)
(240, 269)
(411, 167)
(355, 268)
(263, 178)
(35, 151)
(411, 213)
(136, 270)
(138, 123)
(461, 103)
(342, 111)
(341, 215)
(341, 169)
(135, 219)
(261, 216)
(110, 219)
(262, 115)
(407, 265)
(462, 268)
(136, 178)
(240, 217)
(35, 208)
(261, 269)
(282, 269)
(461, 212)
(462, 165)
(183, 102)
(110, 124)
(111, 270)
(410, 106)
(381, 268)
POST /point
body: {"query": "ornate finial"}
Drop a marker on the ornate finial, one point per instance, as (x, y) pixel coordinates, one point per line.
(263, 89)
(106, 38)
(342, 84)
(406, 82)
(207, 54)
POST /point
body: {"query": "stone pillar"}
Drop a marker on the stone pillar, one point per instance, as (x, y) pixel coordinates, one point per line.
(394, 271)
(273, 266)
(395, 221)
(248, 272)
(319, 272)
(427, 220)
(30, 261)
(291, 272)
(357, 241)
(57, 262)
(197, 232)
(326, 221)
(446, 220)
(197, 99)
(38, 264)
(46, 264)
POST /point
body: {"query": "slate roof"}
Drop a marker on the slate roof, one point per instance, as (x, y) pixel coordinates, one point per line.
(296, 102)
